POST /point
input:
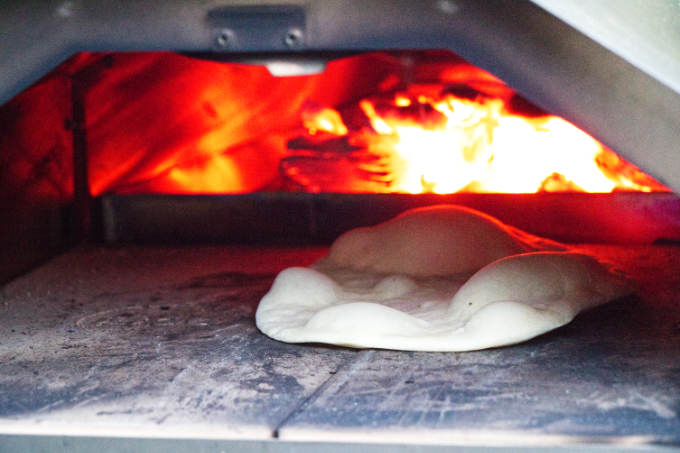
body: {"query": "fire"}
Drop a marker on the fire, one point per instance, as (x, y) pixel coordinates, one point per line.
(317, 119)
(209, 177)
(408, 122)
(452, 144)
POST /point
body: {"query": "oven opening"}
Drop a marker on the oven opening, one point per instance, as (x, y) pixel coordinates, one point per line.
(155, 196)
(384, 122)
(172, 148)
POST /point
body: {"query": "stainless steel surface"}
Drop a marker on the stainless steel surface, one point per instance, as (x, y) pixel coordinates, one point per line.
(645, 33)
(85, 444)
(136, 347)
(548, 61)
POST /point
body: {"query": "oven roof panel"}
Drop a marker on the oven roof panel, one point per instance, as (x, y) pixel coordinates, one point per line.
(644, 33)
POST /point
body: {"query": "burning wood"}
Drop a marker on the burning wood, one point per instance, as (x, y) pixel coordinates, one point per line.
(457, 141)
(374, 123)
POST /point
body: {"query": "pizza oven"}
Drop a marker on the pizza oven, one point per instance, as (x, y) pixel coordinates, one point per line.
(161, 163)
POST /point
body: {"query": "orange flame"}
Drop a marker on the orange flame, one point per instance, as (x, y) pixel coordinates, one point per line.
(211, 177)
(480, 146)
(233, 128)
(323, 120)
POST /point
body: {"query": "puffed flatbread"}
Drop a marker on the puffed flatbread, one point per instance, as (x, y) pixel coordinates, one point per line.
(443, 278)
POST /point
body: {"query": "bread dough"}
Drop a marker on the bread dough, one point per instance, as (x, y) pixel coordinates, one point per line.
(443, 278)
(435, 240)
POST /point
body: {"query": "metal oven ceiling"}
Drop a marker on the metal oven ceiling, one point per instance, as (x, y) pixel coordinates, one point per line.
(612, 68)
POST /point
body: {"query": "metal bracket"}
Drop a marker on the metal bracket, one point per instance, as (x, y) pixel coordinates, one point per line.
(255, 28)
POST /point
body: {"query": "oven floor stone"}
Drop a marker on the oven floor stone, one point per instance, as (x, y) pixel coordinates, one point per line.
(160, 342)
(152, 342)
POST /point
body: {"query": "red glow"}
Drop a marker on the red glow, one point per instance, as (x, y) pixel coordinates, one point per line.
(165, 123)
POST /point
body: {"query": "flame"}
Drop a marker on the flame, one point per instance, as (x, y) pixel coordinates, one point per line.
(379, 125)
(402, 101)
(480, 146)
(374, 122)
(209, 177)
(323, 120)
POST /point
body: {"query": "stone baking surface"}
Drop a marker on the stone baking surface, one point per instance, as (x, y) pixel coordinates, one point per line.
(161, 342)
(151, 341)
(613, 375)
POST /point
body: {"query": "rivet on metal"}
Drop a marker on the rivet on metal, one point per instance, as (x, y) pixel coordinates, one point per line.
(293, 38)
(223, 38)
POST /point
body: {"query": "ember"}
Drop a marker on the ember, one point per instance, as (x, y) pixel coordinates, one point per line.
(418, 144)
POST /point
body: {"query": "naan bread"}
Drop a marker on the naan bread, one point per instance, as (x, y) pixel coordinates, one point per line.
(435, 240)
(407, 284)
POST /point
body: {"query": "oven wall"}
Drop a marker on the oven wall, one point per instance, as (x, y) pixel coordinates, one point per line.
(36, 175)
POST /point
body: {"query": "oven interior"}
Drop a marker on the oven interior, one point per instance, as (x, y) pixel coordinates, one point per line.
(136, 250)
